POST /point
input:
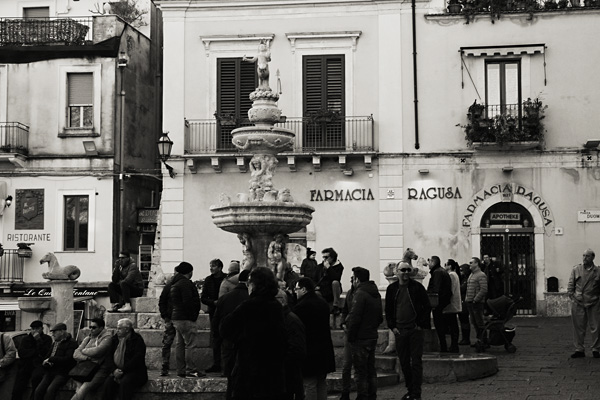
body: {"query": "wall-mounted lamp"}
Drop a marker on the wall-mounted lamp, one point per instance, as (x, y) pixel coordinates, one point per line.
(592, 144)
(90, 148)
(507, 169)
(165, 145)
(8, 201)
(424, 171)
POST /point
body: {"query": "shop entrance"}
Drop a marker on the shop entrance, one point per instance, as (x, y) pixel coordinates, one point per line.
(507, 236)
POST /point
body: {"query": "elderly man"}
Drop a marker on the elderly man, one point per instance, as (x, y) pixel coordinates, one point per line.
(58, 363)
(32, 351)
(127, 360)
(231, 279)
(584, 292)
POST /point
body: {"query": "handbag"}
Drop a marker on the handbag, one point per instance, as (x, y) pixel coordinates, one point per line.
(84, 371)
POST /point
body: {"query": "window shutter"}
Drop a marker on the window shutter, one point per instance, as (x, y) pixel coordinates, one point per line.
(248, 84)
(313, 84)
(335, 84)
(80, 89)
(36, 12)
(226, 90)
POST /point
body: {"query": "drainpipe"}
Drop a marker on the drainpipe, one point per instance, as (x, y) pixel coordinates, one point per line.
(415, 94)
(122, 64)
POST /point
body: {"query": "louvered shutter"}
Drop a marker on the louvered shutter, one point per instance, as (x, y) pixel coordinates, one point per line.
(80, 88)
(248, 84)
(36, 12)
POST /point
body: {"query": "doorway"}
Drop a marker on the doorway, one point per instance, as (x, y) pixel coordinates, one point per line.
(507, 235)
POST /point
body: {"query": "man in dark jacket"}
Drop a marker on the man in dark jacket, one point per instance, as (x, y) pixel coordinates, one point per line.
(407, 312)
(127, 282)
(185, 301)
(210, 295)
(347, 360)
(225, 306)
(440, 286)
(57, 364)
(257, 328)
(32, 350)
(330, 280)
(361, 326)
(313, 311)
(166, 310)
(127, 358)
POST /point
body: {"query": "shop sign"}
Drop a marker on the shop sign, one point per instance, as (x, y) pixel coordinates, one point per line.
(505, 217)
(588, 216)
(148, 216)
(43, 292)
(341, 195)
(28, 237)
(29, 209)
(433, 193)
(509, 190)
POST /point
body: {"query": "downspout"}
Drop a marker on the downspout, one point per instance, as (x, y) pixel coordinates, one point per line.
(415, 94)
(121, 67)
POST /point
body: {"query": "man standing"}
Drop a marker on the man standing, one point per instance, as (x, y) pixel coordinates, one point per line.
(32, 351)
(57, 364)
(313, 311)
(361, 326)
(231, 279)
(185, 301)
(347, 359)
(475, 297)
(584, 292)
(166, 311)
(330, 278)
(126, 283)
(210, 295)
(407, 314)
(440, 286)
(495, 274)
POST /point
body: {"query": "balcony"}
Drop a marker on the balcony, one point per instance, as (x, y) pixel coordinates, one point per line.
(45, 31)
(342, 136)
(14, 138)
(11, 267)
(507, 126)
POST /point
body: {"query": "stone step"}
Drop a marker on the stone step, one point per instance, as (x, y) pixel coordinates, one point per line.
(149, 320)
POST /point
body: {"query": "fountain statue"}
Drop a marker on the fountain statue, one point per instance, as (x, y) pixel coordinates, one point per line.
(263, 217)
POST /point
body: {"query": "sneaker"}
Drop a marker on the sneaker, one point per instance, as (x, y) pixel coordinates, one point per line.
(195, 375)
(114, 308)
(125, 308)
(164, 372)
(214, 368)
(578, 354)
(596, 354)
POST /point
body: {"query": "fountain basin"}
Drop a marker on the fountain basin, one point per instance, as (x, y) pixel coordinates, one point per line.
(263, 139)
(34, 304)
(258, 217)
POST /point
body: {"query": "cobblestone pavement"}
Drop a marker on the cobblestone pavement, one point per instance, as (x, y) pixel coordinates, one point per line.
(540, 369)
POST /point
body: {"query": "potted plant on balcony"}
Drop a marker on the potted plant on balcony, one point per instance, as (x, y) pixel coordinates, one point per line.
(323, 116)
(454, 6)
(226, 119)
(24, 251)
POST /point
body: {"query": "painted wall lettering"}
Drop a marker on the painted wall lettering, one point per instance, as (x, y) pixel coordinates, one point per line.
(433, 193)
(341, 195)
(28, 237)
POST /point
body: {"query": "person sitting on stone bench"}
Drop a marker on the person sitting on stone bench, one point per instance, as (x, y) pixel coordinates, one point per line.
(127, 282)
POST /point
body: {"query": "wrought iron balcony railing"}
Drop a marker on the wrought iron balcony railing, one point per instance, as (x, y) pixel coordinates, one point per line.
(14, 138)
(45, 31)
(11, 267)
(343, 134)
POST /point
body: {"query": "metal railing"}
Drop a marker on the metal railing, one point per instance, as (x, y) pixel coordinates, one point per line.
(513, 110)
(11, 267)
(346, 134)
(43, 31)
(14, 138)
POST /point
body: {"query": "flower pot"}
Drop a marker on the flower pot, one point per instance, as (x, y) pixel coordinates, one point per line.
(25, 253)
(454, 8)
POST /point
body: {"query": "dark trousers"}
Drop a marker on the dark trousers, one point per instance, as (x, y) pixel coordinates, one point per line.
(49, 386)
(167, 341)
(347, 367)
(409, 347)
(122, 390)
(440, 327)
(363, 359)
(465, 325)
(228, 360)
(451, 322)
(26, 371)
(215, 341)
(476, 317)
(123, 292)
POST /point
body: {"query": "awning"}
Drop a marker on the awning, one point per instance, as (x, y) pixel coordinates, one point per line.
(509, 50)
(9, 306)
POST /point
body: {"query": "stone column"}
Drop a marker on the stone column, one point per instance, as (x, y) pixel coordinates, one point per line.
(62, 301)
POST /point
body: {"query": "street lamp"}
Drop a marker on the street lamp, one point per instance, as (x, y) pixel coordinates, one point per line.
(165, 144)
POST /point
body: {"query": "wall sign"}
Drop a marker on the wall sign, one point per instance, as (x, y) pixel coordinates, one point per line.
(148, 216)
(516, 217)
(341, 195)
(433, 193)
(42, 292)
(588, 216)
(29, 209)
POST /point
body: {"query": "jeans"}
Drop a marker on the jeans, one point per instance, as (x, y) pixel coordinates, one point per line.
(167, 341)
(122, 292)
(581, 317)
(476, 317)
(49, 386)
(25, 372)
(347, 367)
(315, 387)
(409, 346)
(88, 387)
(363, 358)
(186, 343)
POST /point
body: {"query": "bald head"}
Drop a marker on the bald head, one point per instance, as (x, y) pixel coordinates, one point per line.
(588, 257)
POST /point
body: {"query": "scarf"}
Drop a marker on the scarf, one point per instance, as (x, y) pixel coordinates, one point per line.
(119, 357)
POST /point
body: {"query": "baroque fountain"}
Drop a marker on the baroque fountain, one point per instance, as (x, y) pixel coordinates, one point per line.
(263, 217)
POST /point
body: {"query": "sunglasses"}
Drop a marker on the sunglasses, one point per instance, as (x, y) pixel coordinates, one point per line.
(405, 270)
(93, 326)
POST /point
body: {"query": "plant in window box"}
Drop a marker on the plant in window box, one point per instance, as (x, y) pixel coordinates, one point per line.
(24, 250)
(533, 114)
(226, 119)
(454, 6)
(323, 115)
(563, 4)
(550, 5)
(6, 148)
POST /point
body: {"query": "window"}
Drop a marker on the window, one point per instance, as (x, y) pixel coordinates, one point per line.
(36, 12)
(80, 98)
(76, 217)
(235, 81)
(323, 107)
(503, 87)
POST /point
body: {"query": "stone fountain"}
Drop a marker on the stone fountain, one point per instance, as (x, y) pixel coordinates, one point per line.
(264, 216)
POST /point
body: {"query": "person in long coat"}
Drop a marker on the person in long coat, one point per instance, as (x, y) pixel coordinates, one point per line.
(313, 311)
(256, 327)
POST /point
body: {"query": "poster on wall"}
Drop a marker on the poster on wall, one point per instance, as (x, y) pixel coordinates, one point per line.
(29, 210)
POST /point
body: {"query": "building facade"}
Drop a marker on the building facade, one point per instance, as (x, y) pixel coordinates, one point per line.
(415, 128)
(79, 120)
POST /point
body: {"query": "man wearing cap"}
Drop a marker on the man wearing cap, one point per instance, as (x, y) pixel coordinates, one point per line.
(185, 301)
(32, 350)
(57, 363)
(309, 267)
(231, 279)
(127, 282)
(166, 310)
(210, 295)
(407, 312)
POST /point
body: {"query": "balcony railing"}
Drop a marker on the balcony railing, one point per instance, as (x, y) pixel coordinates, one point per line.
(45, 31)
(11, 267)
(14, 138)
(498, 7)
(346, 134)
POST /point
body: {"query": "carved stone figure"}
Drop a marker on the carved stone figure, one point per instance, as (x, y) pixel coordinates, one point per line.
(56, 272)
(262, 167)
(247, 251)
(285, 196)
(276, 255)
(262, 60)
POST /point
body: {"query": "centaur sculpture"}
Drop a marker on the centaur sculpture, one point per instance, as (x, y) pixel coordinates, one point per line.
(56, 272)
